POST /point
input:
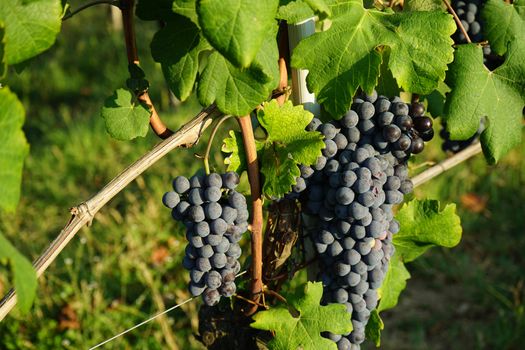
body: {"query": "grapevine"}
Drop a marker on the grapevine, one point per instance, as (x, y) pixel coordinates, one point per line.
(318, 174)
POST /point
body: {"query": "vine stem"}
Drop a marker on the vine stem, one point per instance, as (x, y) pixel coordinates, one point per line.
(83, 214)
(447, 164)
(128, 22)
(284, 54)
(115, 3)
(256, 283)
(206, 158)
(458, 21)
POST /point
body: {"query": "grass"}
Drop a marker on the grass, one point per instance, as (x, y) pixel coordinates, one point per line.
(126, 266)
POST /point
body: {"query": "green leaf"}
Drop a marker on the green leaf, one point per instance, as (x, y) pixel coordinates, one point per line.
(295, 11)
(3, 64)
(186, 8)
(374, 327)
(424, 5)
(237, 28)
(302, 331)
(236, 91)
(177, 47)
(477, 92)
(503, 23)
(420, 45)
(13, 148)
(25, 279)
(394, 283)
(24, 275)
(233, 145)
(31, 27)
(423, 225)
(125, 116)
(287, 145)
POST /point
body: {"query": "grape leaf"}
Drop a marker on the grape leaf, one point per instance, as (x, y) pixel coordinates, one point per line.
(302, 331)
(233, 145)
(423, 225)
(3, 64)
(177, 47)
(374, 327)
(13, 148)
(236, 91)
(186, 8)
(125, 116)
(495, 13)
(477, 92)
(287, 145)
(424, 5)
(31, 27)
(420, 45)
(237, 28)
(394, 283)
(294, 11)
(24, 276)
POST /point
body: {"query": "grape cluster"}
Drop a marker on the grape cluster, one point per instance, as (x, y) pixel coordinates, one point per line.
(215, 216)
(348, 195)
(469, 13)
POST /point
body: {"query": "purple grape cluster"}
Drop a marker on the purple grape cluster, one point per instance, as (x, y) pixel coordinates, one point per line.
(347, 199)
(215, 216)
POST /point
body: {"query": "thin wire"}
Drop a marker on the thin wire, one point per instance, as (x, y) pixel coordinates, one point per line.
(149, 319)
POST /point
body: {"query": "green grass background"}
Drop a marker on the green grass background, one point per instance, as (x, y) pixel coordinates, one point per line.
(107, 279)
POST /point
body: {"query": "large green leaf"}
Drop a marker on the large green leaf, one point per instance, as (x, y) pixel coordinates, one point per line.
(394, 283)
(236, 91)
(237, 28)
(423, 225)
(374, 327)
(420, 45)
(125, 116)
(503, 23)
(294, 11)
(303, 331)
(24, 275)
(31, 27)
(187, 8)
(13, 148)
(477, 92)
(177, 47)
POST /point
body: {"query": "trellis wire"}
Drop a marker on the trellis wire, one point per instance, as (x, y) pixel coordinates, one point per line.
(149, 319)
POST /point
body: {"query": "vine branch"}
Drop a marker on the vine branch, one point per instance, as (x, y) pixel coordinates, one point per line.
(84, 213)
(447, 164)
(156, 123)
(256, 287)
(458, 21)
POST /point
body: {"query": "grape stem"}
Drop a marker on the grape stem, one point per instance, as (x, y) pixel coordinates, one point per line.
(447, 164)
(83, 214)
(126, 6)
(210, 141)
(115, 3)
(256, 287)
(458, 21)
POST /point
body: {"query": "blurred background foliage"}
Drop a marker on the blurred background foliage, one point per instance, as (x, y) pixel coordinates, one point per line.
(127, 265)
